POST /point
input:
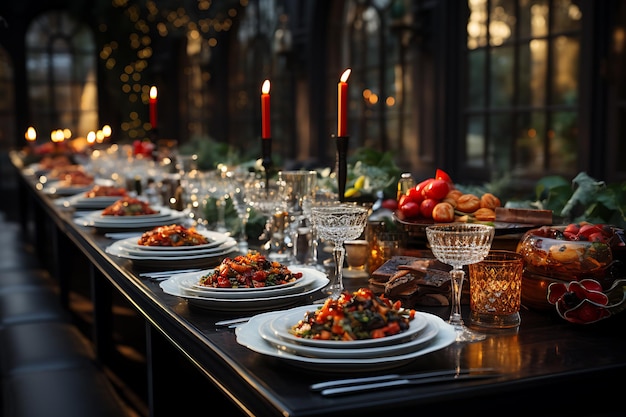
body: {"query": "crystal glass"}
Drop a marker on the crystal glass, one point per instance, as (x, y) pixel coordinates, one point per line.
(300, 186)
(338, 223)
(460, 244)
(272, 203)
(219, 186)
(240, 197)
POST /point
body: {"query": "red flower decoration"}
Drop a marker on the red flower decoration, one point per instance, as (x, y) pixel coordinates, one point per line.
(580, 302)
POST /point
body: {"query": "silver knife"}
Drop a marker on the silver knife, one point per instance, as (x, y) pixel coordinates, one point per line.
(360, 388)
(238, 320)
(390, 377)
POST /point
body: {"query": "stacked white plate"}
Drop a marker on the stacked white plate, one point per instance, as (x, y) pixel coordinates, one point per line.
(164, 217)
(81, 202)
(269, 334)
(176, 257)
(245, 299)
(57, 188)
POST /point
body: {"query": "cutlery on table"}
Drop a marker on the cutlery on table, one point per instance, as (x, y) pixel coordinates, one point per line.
(167, 274)
(233, 322)
(358, 385)
(122, 235)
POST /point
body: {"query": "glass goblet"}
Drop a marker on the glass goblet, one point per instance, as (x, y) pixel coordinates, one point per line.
(460, 244)
(336, 224)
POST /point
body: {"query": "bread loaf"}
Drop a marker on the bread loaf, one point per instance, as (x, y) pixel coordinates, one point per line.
(468, 203)
(485, 215)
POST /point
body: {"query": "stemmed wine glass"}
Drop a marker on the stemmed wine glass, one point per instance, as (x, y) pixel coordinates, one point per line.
(457, 245)
(338, 223)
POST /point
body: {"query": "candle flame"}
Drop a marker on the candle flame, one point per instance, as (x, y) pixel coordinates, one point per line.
(345, 75)
(153, 92)
(31, 134)
(266, 87)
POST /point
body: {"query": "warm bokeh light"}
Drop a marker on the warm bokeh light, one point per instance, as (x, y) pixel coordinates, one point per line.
(31, 134)
(91, 137)
(106, 129)
(57, 135)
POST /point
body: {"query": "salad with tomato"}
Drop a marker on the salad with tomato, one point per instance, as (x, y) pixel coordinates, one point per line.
(252, 270)
(354, 316)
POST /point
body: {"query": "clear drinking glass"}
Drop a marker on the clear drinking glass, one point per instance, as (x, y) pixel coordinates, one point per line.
(457, 245)
(272, 203)
(241, 183)
(300, 186)
(336, 224)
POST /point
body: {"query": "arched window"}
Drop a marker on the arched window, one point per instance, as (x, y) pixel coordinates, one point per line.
(61, 65)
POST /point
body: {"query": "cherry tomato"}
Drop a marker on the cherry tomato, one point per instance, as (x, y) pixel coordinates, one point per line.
(427, 206)
(410, 209)
(436, 189)
(421, 186)
(440, 174)
(390, 204)
(404, 198)
(415, 195)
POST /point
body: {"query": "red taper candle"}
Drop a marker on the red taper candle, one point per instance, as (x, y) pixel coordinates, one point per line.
(342, 96)
(153, 107)
(265, 110)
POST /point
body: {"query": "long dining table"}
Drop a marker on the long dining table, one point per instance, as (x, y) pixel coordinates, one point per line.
(546, 367)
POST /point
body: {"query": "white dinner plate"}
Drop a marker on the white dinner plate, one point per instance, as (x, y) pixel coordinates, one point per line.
(113, 226)
(116, 248)
(79, 201)
(319, 280)
(248, 335)
(189, 284)
(102, 219)
(55, 188)
(281, 325)
(215, 239)
(424, 336)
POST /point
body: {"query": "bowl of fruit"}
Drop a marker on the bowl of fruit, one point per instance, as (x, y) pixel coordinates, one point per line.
(572, 252)
(578, 268)
(438, 200)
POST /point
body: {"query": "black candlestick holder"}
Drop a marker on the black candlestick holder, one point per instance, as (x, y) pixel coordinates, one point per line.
(342, 165)
(267, 159)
